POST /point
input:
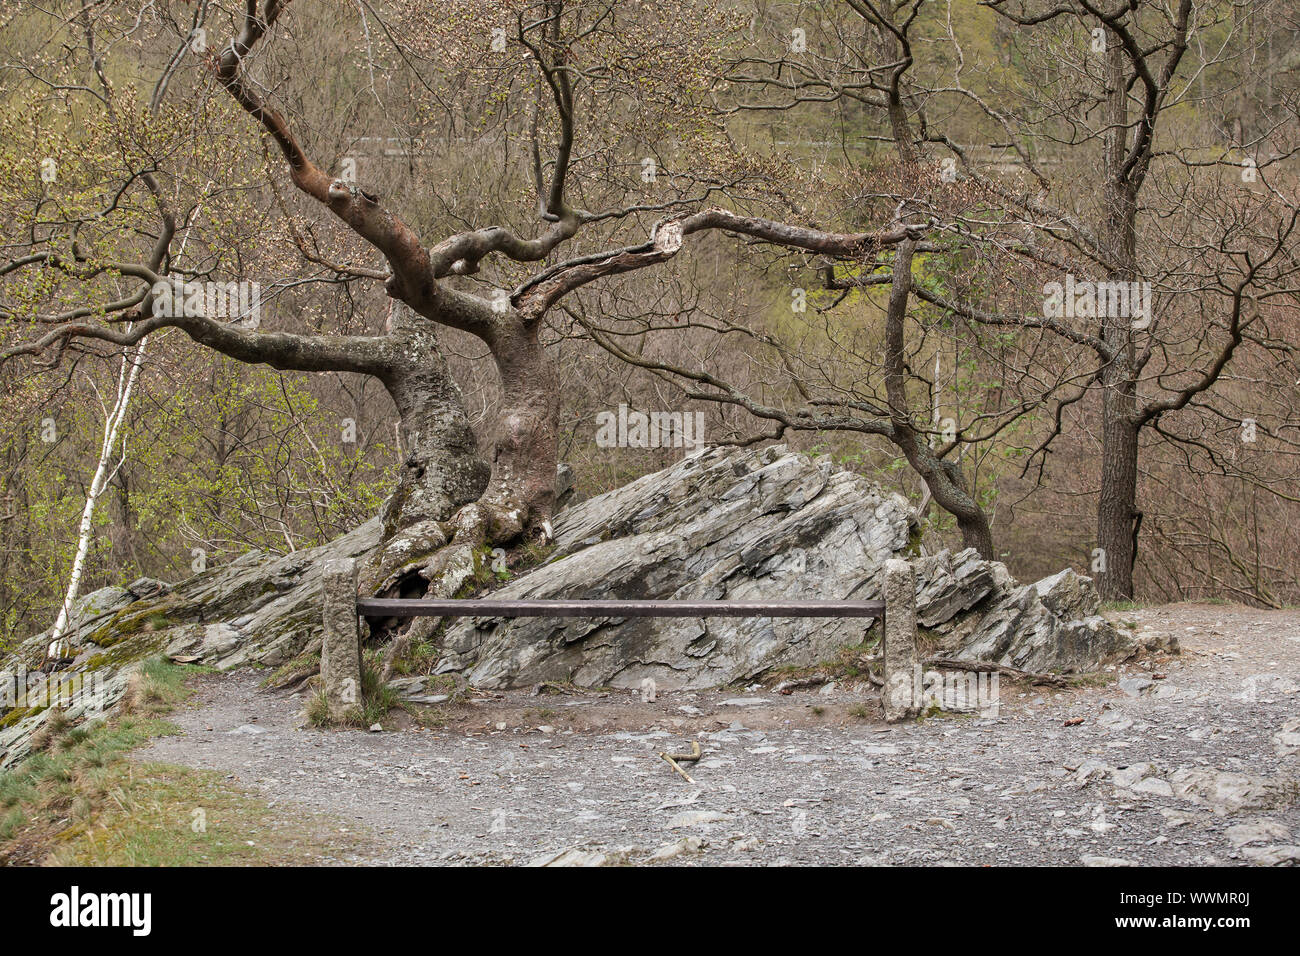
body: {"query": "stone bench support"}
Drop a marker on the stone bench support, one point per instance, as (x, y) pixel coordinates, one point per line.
(901, 695)
(340, 653)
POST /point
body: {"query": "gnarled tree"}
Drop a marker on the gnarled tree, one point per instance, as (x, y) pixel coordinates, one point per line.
(449, 503)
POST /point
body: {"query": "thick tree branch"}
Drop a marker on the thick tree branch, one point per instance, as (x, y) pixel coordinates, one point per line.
(541, 292)
(281, 350)
(413, 277)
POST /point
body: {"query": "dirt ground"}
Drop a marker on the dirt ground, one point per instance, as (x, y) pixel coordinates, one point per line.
(1094, 775)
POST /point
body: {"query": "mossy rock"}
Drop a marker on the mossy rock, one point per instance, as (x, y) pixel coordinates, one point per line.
(134, 620)
(18, 714)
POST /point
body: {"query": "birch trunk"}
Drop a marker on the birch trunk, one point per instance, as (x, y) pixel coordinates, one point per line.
(104, 472)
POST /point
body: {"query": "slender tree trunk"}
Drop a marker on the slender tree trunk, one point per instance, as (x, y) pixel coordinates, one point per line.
(1116, 508)
(944, 478)
(113, 418)
(1117, 512)
(948, 488)
(975, 530)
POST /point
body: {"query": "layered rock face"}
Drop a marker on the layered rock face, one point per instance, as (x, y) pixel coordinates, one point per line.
(764, 524)
(716, 526)
(719, 525)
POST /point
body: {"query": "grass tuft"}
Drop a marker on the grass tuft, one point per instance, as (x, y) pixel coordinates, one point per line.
(377, 698)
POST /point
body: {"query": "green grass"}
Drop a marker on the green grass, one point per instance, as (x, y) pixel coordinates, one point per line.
(67, 775)
(420, 657)
(79, 800)
(173, 816)
(377, 698)
(299, 666)
(1122, 606)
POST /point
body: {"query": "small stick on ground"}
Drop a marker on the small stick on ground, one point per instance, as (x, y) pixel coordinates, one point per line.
(673, 758)
(695, 745)
(1050, 680)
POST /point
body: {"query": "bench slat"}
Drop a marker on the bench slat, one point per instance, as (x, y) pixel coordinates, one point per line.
(437, 607)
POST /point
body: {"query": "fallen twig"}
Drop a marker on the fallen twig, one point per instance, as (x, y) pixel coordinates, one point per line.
(786, 686)
(1050, 680)
(673, 758)
(695, 755)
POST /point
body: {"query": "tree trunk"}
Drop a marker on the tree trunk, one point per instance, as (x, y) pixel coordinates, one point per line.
(441, 468)
(128, 374)
(944, 478)
(522, 491)
(976, 533)
(948, 488)
(441, 471)
(1117, 506)
(448, 509)
(1117, 511)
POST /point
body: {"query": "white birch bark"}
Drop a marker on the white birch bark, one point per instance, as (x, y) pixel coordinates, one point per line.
(104, 472)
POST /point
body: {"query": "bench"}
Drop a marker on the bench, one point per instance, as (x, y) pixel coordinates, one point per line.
(340, 647)
(487, 607)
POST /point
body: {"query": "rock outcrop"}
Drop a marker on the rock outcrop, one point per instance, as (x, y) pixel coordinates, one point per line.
(259, 609)
(720, 524)
(716, 526)
(767, 524)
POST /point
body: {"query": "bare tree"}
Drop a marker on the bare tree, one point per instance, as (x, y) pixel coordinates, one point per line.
(1066, 189)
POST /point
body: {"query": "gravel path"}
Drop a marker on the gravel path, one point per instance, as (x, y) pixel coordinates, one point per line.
(1191, 770)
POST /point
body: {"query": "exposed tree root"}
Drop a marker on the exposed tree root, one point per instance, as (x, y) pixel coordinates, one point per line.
(452, 554)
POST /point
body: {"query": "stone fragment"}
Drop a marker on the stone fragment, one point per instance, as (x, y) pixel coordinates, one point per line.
(1281, 855)
(1136, 686)
(1286, 742)
(683, 847)
(1258, 831)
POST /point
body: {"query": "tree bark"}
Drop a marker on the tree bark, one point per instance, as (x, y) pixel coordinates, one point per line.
(441, 467)
(948, 488)
(943, 478)
(1117, 505)
(526, 441)
(441, 470)
(113, 417)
